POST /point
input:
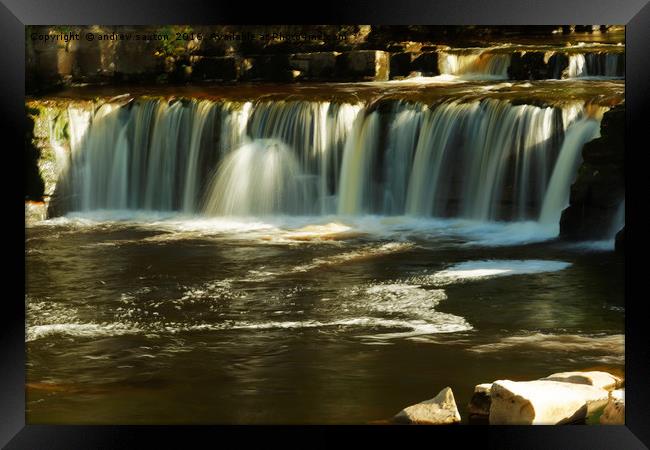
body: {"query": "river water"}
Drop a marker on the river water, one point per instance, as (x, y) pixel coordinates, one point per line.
(139, 317)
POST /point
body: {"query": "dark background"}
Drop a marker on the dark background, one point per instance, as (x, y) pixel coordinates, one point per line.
(15, 13)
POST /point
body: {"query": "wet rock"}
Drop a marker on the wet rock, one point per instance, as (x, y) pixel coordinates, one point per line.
(267, 68)
(619, 243)
(400, 64)
(363, 65)
(217, 68)
(479, 404)
(528, 66)
(614, 413)
(314, 66)
(601, 380)
(599, 187)
(35, 211)
(427, 63)
(34, 184)
(440, 410)
(543, 402)
(557, 64)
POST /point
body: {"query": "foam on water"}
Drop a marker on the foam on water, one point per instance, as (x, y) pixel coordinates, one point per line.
(590, 246)
(445, 323)
(475, 270)
(355, 255)
(310, 229)
(611, 347)
(395, 310)
(85, 330)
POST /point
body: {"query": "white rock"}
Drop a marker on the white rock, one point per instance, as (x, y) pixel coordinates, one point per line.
(602, 380)
(440, 410)
(479, 404)
(542, 402)
(614, 413)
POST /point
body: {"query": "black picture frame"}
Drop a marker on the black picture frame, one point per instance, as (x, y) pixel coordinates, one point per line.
(15, 14)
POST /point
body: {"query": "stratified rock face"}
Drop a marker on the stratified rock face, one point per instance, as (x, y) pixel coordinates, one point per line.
(363, 65)
(221, 68)
(599, 188)
(479, 404)
(602, 380)
(614, 413)
(314, 66)
(34, 185)
(543, 402)
(528, 66)
(440, 410)
(427, 63)
(400, 64)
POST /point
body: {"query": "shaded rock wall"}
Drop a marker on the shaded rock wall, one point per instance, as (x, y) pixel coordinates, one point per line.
(599, 189)
(34, 184)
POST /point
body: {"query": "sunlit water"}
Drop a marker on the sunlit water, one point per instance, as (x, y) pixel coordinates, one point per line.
(144, 318)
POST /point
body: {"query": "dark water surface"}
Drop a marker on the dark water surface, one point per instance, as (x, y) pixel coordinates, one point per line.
(171, 321)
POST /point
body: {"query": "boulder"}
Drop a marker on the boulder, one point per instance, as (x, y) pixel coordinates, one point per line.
(479, 404)
(440, 410)
(543, 402)
(614, 413)
(602, 380)
(363, 65)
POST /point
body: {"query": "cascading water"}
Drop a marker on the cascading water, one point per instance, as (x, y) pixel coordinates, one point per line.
(557, 195)
(483, 159)
(607, 65)
(259, 178)
(475, 64)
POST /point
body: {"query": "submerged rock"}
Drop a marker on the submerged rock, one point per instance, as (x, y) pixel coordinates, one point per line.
(543, 402)
(614, 413)
(440, 410)
(602, 380)
(479, 404)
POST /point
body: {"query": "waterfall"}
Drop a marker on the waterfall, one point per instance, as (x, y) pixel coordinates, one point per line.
(439, 132)
(402, 138)
(475, 64)
(356, 182)
(262, 177)
(557, 195)
(618, 221)
(482, 159)
(607, 65)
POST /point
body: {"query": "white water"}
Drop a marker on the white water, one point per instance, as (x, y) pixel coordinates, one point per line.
(481, 160)
(476, 64)
(259, 178)
(605, 65)
(557, 195)
(476, 270)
